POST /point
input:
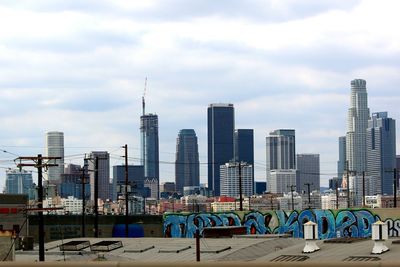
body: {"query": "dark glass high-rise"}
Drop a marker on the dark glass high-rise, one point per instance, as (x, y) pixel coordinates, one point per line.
(187, 160)
(221, 125)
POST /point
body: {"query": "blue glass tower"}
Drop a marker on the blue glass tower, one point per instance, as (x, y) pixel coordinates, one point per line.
(150, 156)
(18, 181)
(135, 179)
(381, 153)
(187, 160)
(220, 127)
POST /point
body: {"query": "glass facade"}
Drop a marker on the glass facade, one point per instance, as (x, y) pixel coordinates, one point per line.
(244, 148)
(187, 160)
(220, 126)
(149, 145)
(18, 182)
(135, 180)
(381, 154)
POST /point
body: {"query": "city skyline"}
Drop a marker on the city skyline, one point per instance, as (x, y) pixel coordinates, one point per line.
(81, 67)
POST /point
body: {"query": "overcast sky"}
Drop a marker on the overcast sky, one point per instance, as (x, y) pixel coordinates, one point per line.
(79, 67)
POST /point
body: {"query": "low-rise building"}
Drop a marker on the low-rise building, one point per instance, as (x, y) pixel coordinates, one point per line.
(290, 201)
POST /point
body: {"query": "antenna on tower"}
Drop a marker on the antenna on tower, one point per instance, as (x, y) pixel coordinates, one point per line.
(144, 94)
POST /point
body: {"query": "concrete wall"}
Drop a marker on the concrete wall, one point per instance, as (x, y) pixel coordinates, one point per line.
(68, 226)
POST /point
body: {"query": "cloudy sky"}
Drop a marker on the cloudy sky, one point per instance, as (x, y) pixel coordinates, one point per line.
(79, 67)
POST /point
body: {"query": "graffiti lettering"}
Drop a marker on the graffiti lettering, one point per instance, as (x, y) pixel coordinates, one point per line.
(344, 223)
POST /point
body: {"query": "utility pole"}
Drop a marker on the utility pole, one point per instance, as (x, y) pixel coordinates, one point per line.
(40, 206)
(83, 201)
(197, 245)
(337, 195)
(39, 165)
(309, 194)
(395, 187)
(348, 184)
(240, 187)
(363, 189)
(126, 193)
(291, 192)
(96, 197)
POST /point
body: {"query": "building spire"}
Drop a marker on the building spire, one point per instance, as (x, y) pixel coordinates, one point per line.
(143, 97)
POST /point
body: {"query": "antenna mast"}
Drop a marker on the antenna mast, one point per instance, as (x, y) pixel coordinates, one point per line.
(144, 94)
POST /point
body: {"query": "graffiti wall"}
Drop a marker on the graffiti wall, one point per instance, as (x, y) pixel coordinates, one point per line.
(331, 224)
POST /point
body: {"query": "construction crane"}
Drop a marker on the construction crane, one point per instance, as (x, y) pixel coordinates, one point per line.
(144, 94)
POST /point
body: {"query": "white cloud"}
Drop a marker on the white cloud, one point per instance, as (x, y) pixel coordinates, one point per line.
(80, 68)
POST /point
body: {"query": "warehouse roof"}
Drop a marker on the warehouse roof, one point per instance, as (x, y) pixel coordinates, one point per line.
(255, 249)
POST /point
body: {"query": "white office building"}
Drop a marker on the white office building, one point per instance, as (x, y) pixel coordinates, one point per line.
(282, 181)
(356, 141)
(229, 179)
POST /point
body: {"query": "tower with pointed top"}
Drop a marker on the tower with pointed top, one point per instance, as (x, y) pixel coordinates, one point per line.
(149, 144)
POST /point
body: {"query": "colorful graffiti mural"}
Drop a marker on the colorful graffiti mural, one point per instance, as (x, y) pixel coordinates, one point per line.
(343, 223)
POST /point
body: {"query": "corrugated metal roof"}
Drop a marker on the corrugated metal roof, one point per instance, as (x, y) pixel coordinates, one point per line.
(215, 249)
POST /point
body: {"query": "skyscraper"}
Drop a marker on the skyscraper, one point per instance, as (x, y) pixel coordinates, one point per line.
(135, 180)
(220, 129)
(187, 160)
(356, 141)
(71, 182)
(341, 164)
(55, 148)
(307, 172)
(18, 181)
(244, 148)
(229, 174)
(281, 153)
(103, 170)
(381, 153)
(149, 146)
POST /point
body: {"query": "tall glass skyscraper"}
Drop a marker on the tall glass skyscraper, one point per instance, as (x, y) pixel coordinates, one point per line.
(18, 182)
(149, 145)
(220, 126)
(381, 153)
(244, 149)
(356, 141)
(187, 160)
(55, 148)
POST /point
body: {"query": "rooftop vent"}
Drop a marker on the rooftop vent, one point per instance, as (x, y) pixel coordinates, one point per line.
(106, 246)
(75, 245)
(362, 258)
(282, 258)
(379, 235)
(311, 237)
